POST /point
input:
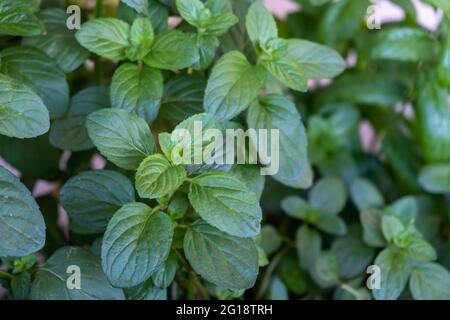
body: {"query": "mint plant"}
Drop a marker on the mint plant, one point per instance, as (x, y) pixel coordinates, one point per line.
(297, 207)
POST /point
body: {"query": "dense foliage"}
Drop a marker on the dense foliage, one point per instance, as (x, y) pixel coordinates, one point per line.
(147, 227)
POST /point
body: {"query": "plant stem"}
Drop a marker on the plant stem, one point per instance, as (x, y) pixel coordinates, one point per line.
(99, 70)
(270, 269)
(5, 275)
(194, 277)
(351, 290)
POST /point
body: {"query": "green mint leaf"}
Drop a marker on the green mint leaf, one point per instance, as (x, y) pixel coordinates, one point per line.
(435, 178)
(38, 71)
(207, 46)
(226, 203)
(164, 276)
(156, 177)
(137, 89)
(234, 83)
(58, 42)
(269, 239)
(69, 132)
(22, 112)
(17, 19)
(318, 61)
(276, 112)
(430, 281)
(51, 280)
(326, 268)
(183, 98)
(107, 37)
(217, 257)
(404, 44)
(136, 243)
(395, 274)
(328, 195)
(309, 246)
(141, 39)
(433, 116)
(22, 228)
(123, 138)
(193, 11)
(296, 207)
(172, 50)
(260, 24)
(365, 194)
(146, 291)
(352, 254)
(371, 223)
(92, 197)
(391, 227)
(140, 6)
(251, 176)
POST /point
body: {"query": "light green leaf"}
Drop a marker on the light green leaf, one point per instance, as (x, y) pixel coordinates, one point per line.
(365, 194)
(276, 112)
(172, 50)
(395, 271)
(430, 281)
(139, 5)
(141, 39)
(234, 83)
(219, 23)
(228, 262)
(58, 42)
(433, 119)
(207, 46)
(318, 61)
(328, 195)
(123, 138)
(326, 268)
(193, 11)
(92, 197)
(137, 89)
(296, 207)
(156, 177)
(38, 71)
(391, 227)
(404, 44)
(278, 290)
(435, 178)
(309, 246)
(69, 132)
(19, 20)
(22, 227)
(51, 280)
(226, 203)
(22, 112)
(286, 69)
(260, 24)
(371, 223)
(107, 37)
(330, 223)
(136, 243)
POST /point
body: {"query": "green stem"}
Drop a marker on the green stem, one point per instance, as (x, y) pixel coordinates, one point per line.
(5, 275)
(351, 290)
(99, 70)
(193, 277)
(270, 269)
